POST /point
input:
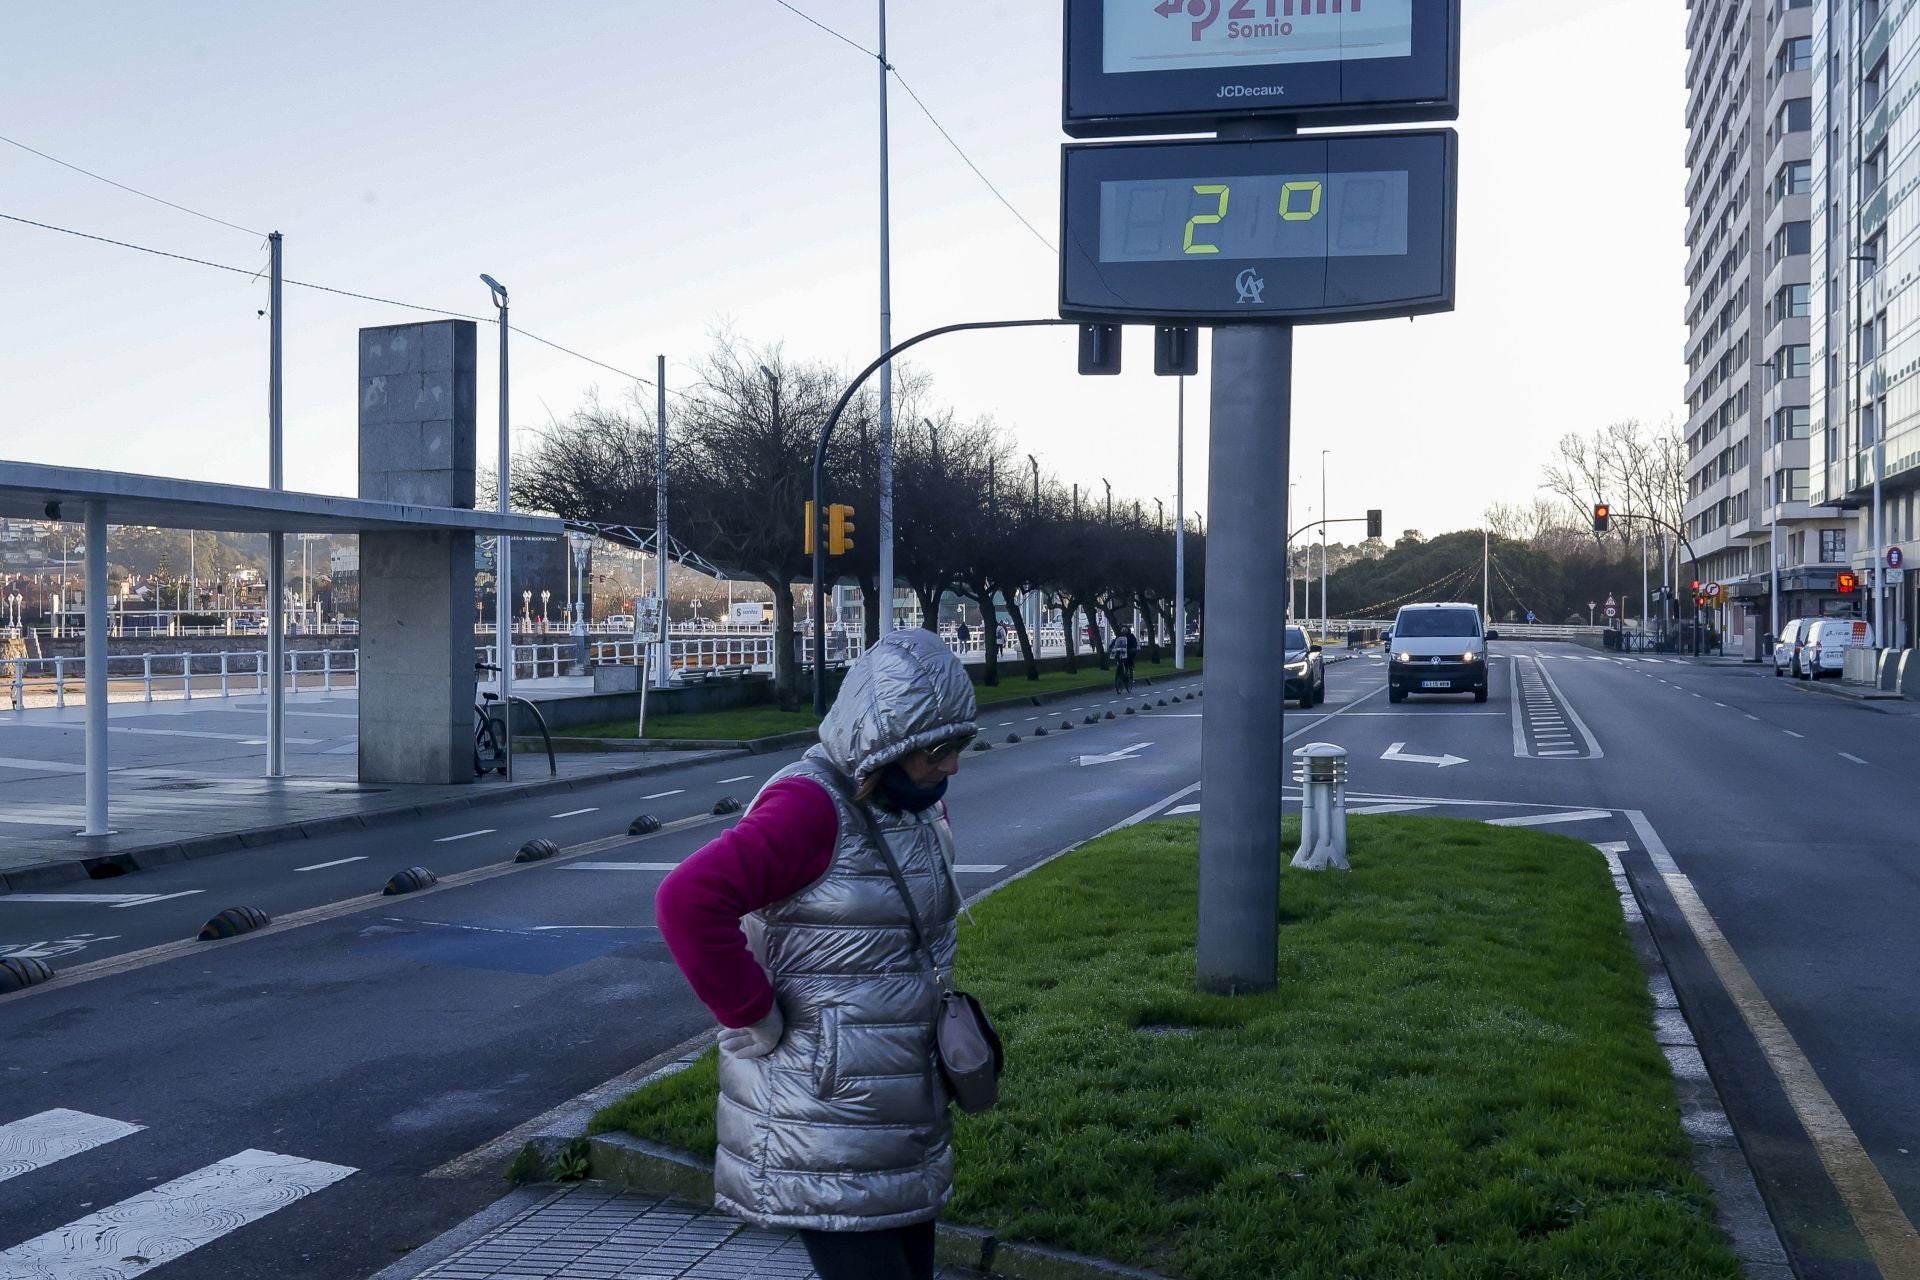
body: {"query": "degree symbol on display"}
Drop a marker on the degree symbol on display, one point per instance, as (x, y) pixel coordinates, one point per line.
(1250, 285)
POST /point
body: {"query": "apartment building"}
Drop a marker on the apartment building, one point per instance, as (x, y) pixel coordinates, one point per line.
(1865, 254)
(1752, 521)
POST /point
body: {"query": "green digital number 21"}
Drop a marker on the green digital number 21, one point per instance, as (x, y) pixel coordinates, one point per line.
(1203, 219)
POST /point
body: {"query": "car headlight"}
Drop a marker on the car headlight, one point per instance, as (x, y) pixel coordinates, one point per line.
(1403, 656)
(1469, 656)
(1297, 668)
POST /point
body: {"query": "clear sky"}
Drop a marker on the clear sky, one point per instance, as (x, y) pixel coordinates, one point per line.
(641, 173)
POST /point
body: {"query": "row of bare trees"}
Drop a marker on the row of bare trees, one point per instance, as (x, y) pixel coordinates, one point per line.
(973, 515)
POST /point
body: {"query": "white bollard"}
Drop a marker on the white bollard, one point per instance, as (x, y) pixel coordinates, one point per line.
(1321, 770)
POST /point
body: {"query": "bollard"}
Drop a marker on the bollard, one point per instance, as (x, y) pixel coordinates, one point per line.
(1321, 770)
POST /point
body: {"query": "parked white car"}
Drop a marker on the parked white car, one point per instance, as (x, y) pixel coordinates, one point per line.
(1824, 652)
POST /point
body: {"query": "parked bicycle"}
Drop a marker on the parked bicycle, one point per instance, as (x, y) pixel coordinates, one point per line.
(489, 731)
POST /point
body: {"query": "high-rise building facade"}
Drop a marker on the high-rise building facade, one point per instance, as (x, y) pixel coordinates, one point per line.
(1750, 520)
(1865, 259)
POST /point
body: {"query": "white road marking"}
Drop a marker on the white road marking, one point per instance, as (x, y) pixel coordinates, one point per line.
(337, 862)
(466, 835)
(1751, 717)
(979, 868)
(99, 899)
(145, 899)
(1791, 734)
(1180, 809)
(194, 733)
(1385, 808)
(620, 866)
(662, 795)
(1394, 752)
(158, 1225)
(1123, 754)
(39, 1140)
(745, 777)
(1848, 755)
(1548, 819)
(574, 813)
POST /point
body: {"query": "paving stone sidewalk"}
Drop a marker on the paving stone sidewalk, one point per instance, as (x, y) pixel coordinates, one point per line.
(598, 1231)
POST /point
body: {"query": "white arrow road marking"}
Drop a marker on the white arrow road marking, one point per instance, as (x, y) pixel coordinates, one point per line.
(1124, 753)
(1179, 809)
(1548, 819)
(39, 1140)
(138, 1234)
(1395, 753)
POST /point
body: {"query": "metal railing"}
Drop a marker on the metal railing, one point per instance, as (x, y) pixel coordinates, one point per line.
(166, 677)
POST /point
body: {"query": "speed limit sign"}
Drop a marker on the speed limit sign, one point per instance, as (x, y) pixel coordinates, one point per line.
(1612, 612)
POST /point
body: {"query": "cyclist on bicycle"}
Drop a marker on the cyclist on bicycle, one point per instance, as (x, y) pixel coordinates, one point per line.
(1122, 649)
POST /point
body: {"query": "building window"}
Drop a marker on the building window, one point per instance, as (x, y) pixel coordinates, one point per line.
(1833, 546)
(1796, 484)
(1797, 356)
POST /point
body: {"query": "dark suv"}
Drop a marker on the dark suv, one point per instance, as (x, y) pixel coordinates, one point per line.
(1306, 673)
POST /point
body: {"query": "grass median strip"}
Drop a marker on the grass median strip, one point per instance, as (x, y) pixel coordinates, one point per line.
(1456, 1075)
(741, 724)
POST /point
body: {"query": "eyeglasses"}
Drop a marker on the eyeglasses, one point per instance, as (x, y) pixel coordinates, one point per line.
(941, 750)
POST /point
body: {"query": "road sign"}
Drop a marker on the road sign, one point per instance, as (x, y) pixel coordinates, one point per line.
(1895, 577)
(1894, 558)
(1138, 67)
(1712, 590)
(1611, 611)
(1320, 228)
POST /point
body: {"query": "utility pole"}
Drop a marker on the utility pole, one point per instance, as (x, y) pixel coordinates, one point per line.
(503, 551)
(1180, 533)
(663, 671)
(885, 582)
(276, 541)
(1486, 582)
(1323, 544)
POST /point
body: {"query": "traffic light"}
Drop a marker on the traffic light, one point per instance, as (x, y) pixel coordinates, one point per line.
(1176, 350)
(806, 539)
(1373, 522)
(839, 529)
(1602, 517)
(1100, 348)
(1848, 582)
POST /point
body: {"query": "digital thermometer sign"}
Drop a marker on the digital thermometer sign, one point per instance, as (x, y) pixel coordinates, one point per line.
(1183, 66)
(1356, 226)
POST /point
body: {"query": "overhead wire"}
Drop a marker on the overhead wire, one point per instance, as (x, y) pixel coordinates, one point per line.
(144, 195)
(932, 119)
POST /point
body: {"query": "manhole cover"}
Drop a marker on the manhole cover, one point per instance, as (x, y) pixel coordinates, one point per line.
(175, 786)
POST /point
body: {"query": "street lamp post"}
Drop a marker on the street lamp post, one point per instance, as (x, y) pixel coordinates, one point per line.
(1323, 544)
(503, 548)
(581, 543)
(1033, 596)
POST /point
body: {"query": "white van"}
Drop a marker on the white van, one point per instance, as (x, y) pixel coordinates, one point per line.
(1786, 649)
(1438, 648)
(1824, 651)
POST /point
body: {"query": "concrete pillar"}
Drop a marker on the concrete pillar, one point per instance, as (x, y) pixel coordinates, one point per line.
(416, 695)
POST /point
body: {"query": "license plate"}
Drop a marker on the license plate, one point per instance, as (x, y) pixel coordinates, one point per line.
(1436, 684)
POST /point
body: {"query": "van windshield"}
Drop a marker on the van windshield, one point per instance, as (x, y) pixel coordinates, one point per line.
(1437, 622)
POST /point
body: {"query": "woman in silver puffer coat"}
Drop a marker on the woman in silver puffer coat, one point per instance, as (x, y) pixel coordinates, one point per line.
(833, 1117)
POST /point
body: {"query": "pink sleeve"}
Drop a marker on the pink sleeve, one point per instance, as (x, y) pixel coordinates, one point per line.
(784, 844)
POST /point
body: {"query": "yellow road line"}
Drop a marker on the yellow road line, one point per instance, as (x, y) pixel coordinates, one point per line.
(1890, 1236)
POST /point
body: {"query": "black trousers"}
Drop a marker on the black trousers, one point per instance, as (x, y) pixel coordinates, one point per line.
(902, 1253)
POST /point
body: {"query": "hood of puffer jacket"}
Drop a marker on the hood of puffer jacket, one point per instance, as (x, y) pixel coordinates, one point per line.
(908, 691)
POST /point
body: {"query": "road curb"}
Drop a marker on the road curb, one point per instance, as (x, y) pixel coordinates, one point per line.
(144, 858)
(1835, 689)
(1718, 1157)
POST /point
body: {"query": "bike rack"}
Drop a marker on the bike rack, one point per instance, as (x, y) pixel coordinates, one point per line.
(553, 766)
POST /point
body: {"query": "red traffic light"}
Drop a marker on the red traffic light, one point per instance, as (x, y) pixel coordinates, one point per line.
(1696, 586)
(1848, 582)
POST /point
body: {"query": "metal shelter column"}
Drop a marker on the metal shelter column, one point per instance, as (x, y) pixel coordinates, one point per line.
(276, 541)
(96, 670)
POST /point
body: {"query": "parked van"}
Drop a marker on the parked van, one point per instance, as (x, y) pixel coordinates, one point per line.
(1828, 639)
(1438, 648)
(1786, 649)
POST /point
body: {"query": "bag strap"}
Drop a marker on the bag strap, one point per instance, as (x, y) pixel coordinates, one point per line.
(879, 839)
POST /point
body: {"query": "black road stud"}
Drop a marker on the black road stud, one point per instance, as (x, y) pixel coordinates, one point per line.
(1109, 715)
(1013, 737)
(1130, 711)
(981, 744)
(726, 804)
(1162, 702)
(1091, 719)
(233, 922)
(409, 880)
(644, 825)
(536, 850)
(1066, 724)
(1040, 731)
(17, 973)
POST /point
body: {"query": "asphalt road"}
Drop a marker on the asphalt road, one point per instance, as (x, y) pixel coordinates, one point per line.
(384, 1037)
(393, 1035)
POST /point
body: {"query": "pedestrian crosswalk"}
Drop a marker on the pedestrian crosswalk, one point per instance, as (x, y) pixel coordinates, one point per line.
(153, 1226)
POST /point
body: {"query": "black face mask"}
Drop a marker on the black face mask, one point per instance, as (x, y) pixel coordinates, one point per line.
(898, 792)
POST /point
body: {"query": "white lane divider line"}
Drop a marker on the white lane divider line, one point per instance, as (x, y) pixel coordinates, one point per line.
(158, 1225)
(620, 866)
(1791, 734)
(1848, 755)
(662, 795)
(337, 862)
(979, 868)
(97, 899)
(574, 813)
(39, 1140)
(745, 777)
(1549, 819)
(1753, 717)
(1385, 808)
(148, 898)
(466, 835)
